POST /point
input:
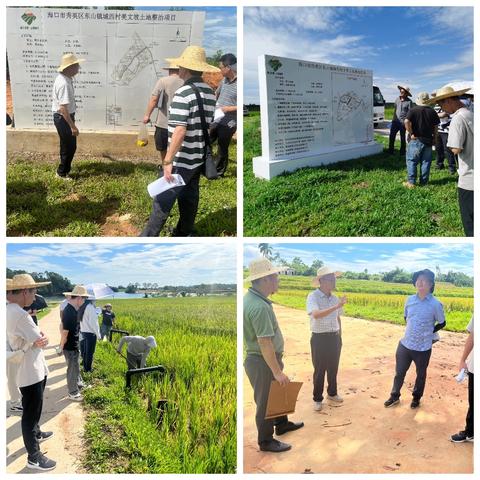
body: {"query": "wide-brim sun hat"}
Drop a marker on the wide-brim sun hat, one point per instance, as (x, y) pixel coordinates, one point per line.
(193, 58)
(322, 271)
(422, 99)
(24, 281)
(407, 89)
(446, 92)
(78, 291)
(262, 267)
(67, 60)
(108, 305)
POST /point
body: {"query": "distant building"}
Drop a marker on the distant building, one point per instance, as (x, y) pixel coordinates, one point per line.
(289, 271)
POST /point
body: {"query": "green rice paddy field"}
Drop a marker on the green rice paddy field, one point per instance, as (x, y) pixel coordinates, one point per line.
(196, 431)
(375, 300)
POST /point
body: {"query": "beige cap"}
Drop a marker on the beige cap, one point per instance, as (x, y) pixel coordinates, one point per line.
(322, 271)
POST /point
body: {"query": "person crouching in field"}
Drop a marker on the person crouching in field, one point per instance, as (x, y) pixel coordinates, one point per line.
(137, 350)
(324, 310)
(424, 316)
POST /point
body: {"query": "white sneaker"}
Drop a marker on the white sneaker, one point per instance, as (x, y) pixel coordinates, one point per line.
(77, 397)
(317, 406)
(335, 398)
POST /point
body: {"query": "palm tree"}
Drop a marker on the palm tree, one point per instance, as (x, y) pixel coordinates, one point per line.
(265, 249)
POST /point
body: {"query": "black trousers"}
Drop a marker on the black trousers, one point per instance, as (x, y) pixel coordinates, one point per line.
(187, 196)
(260, 376)
(469, 419)
(404, 358)
(68, 143)
(443, 151)
(397, 126)
(32, 403)
(326, 348)
(89, 344)
(465, 202)
(223, 132)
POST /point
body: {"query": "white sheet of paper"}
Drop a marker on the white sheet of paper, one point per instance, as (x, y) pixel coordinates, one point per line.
(218, 114)
(161, 185)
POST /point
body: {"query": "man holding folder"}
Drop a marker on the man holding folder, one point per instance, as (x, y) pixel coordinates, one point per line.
(264, 344)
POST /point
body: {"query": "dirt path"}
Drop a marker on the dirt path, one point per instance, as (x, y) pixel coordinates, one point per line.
(60, 415)
(371, 438)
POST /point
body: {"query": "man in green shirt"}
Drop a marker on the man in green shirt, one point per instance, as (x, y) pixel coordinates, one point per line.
(264, 344)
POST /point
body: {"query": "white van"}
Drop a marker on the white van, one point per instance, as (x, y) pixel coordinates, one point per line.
(378, 106)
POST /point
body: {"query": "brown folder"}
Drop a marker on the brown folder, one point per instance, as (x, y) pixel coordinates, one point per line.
(282, 400)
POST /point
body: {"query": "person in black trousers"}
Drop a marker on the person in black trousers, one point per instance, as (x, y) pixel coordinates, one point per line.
(64, 108)
(466, 363)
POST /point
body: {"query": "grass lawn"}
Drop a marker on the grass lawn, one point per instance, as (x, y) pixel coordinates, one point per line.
(363, 197)
(105, 198)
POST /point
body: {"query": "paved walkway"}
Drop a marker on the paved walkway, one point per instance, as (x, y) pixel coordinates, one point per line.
(60, 415)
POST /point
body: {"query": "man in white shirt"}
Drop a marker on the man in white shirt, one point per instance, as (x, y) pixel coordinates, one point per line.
(460, 142)
(23, 334)
(63, 108)
(466, 362)
(90, 332)
(324, 310)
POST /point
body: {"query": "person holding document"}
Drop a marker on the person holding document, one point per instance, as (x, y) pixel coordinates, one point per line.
(264, 344)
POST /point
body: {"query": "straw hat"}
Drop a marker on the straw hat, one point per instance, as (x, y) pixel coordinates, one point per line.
(24, 281)
(422, 99)
(446, 92)
(172, 66)
(322, 271)
(407, 89)
(67, 60)
(78, 291)
(193, 58)
(262, 267)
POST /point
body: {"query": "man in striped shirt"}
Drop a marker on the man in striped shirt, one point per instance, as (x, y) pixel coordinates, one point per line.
(186, 145)
(324, 310)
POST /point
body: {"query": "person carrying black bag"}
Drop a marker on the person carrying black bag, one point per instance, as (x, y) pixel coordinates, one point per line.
(186, 144)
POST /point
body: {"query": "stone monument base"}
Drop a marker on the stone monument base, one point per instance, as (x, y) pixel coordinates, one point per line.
(266, 168)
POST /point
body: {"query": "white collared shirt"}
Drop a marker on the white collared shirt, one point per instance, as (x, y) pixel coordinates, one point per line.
(89, 322)
(317, 300)
(63, 94)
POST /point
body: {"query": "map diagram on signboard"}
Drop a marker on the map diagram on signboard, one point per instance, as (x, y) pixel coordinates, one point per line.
(348, 104)
(132, 62)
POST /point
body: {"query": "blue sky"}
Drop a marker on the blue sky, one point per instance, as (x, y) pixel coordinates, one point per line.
(376, 257)
(120, 264)
(220, 31)
(424, 48)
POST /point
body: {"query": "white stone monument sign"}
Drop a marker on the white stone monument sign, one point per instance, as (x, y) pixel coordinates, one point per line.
(124, 52)
(312, 114)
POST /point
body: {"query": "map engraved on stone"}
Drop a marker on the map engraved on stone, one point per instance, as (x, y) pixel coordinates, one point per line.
(133, 61)
(348, 104)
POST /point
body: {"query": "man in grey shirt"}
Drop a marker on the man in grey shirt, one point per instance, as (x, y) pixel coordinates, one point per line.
(401, 108)
(137, 350)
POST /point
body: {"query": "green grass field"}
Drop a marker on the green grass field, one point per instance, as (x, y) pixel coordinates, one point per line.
(381, 301)
(363, 197)
(38, 204)
(196, 342)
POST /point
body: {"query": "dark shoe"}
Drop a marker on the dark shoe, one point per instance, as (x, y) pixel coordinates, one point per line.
(44, 436)
(274, 446)
(439, 167)
(287, 427)
(415, 403)
(391, 402)
(41, 463)
(461, 437)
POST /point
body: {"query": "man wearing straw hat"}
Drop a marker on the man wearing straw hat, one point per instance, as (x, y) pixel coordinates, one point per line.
(23, 335)
(161, 98)
(422, 127)
(324, 310)
(186, 144)
(63, 108)
(401, 107)
(460, 142)
(264, 345)
(69, 342)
